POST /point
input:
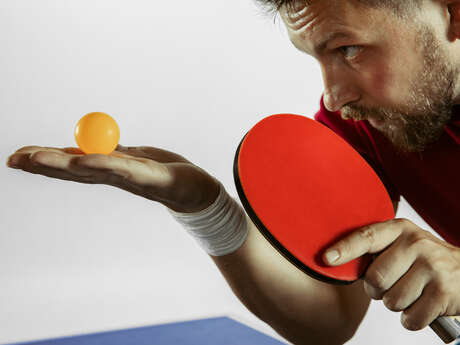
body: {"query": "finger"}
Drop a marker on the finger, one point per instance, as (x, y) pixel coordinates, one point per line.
(388, 267)
(407, 289)
(369, 239)
(117, 169)
(147, 152)
(29, 149)
(52, 164)
(33, 149)
(73, 151)
(21, 158)
(135, 175)
(156, 154)
(58, 164)
(423, 311)
(136, 171)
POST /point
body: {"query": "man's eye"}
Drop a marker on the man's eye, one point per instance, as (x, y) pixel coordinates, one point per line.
(350, 52)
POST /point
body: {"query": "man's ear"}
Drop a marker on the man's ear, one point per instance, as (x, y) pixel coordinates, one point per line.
(453, 7)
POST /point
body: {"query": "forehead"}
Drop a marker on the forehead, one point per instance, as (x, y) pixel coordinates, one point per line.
(311, 20)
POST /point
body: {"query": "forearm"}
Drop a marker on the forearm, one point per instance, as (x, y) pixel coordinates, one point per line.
(301, 309)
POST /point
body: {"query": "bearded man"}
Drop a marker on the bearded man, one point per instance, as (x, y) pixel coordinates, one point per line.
(391, 89)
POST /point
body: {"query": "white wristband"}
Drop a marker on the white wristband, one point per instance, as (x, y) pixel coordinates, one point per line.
(219, 229)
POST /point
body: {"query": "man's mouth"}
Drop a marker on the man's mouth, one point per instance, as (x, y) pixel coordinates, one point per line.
(376, 123)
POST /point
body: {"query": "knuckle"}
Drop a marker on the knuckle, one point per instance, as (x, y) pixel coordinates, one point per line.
(392, 303)
(36, 156)
(75, 161)
(344, 248)
(33, 156)
(401, 221)
(437, 276)
(440, 290)
(375, 279)
(411, 323)
(372, 292)
(79, 161)
(434, 265)
(368, 234)
(418, 239)
(129, 164)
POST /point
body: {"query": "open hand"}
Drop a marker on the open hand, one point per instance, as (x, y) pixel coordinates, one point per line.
(150, 172)
(415, 272)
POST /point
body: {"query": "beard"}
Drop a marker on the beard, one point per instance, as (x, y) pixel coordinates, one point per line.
(421, 121)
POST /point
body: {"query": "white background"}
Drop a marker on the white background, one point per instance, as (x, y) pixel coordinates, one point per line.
(189, 76)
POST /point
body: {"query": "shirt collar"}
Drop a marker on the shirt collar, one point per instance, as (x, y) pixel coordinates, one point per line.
(452, 128)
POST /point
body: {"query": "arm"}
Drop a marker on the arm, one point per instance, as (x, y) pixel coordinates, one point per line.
(299, 308)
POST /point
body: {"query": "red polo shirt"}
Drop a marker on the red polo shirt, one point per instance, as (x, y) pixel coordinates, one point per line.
(429, 181)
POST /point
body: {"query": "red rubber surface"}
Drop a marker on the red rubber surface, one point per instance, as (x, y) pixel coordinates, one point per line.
(308, 188)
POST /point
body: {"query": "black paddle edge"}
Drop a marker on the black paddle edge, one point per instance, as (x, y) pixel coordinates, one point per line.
(272, 240)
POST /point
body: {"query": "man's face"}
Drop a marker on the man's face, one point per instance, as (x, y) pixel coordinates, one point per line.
(393, 73)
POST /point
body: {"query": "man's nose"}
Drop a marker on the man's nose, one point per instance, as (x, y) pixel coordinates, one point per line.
(336, 97)
(339, 87)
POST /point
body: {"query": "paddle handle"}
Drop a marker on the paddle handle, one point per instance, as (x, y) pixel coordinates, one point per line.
(447, 328)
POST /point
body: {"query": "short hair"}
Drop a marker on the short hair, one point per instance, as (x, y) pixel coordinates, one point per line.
(400, 8)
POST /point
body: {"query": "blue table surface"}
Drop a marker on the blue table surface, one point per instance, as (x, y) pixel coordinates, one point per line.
(211, 331)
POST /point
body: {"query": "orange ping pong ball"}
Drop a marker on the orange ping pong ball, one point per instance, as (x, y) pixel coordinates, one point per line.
(97, 133)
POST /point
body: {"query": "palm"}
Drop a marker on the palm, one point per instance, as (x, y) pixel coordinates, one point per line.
(150, 172)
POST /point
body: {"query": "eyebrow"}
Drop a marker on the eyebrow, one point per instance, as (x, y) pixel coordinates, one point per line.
(321, 46)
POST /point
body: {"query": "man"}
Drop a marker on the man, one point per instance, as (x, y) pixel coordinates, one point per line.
(391, 83)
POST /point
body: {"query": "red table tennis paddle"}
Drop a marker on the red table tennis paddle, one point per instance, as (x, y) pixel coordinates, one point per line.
(304, 187)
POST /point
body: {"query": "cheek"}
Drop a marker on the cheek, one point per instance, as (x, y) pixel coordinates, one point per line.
(385, 84)
(401, 77)
(379, 83)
